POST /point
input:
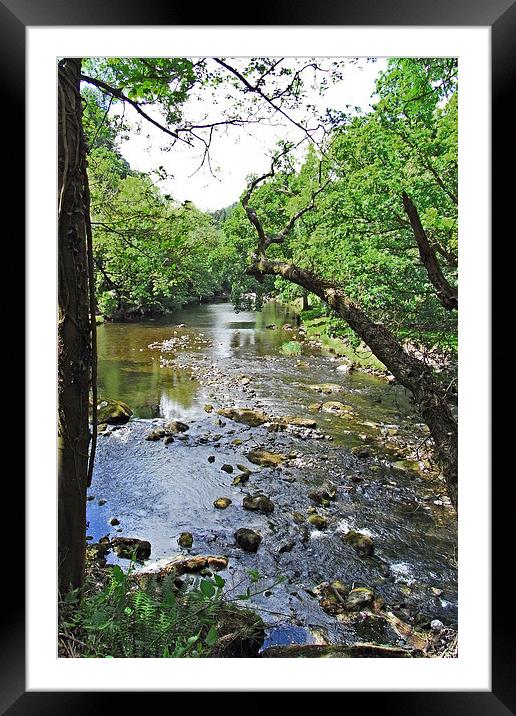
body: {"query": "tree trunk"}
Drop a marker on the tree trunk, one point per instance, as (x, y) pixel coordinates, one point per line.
(446, 293)
(409, 371)
(305, 305)
(74, 330)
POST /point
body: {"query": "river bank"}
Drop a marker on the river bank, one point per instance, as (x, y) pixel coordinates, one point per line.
(355, 502)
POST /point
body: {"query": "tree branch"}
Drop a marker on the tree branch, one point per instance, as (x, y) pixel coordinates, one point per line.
(446, 293)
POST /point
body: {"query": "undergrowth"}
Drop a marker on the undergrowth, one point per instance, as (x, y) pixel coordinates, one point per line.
(123, 615)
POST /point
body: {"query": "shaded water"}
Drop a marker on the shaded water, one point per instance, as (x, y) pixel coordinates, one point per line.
(158, 491)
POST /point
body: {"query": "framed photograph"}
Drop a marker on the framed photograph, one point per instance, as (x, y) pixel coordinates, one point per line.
(275, 224)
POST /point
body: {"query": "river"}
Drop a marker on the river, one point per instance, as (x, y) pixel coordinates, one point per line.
(172, 368)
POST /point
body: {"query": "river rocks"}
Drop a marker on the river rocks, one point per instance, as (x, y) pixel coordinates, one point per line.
(266, 458)
(344, 368)
(359, 598)
(247, 539)
(298, 518)
(338, 598)
(227, 468)
(332, 596)
(185, 540)
(324, 494)
(101, 502)
(113, 412)
(327, 388)
(336, 408)
(211, 458)
(183, 565)
(168, 439)
(361, 543)
(318, 521)
(155, 435)
(98, 551)
(236, 442)
(176, 426)
(298, 422)
(258, 503)
(336, 651)
(242, 478)
(131, 546)
(208, 408)
(114, 521)
(286, 547)
(252, 418)
(222, 502)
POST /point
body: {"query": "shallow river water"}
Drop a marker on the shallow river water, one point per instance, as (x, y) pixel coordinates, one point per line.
(157, 491)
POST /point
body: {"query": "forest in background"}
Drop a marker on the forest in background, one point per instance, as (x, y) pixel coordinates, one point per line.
(153, 254)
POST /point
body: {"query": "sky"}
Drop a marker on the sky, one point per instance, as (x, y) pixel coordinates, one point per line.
(236, 152)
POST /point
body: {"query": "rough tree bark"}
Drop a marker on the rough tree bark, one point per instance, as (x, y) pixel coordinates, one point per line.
(74, 330)
(446, 293)
(408, 370)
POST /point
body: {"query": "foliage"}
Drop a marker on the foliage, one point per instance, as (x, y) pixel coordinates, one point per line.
(129, 617)
(358, 235)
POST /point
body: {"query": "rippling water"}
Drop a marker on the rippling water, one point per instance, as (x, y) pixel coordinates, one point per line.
(158, 491)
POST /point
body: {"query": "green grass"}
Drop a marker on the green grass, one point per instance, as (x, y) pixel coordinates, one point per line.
(361, 356)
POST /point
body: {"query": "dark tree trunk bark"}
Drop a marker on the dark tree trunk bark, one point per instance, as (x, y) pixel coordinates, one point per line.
(74, 330)
(305, 305)
(446, 293)
(408, 370)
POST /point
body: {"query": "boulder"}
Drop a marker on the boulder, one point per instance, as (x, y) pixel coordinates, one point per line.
(113, 412)
(227, 468)
(185, 540)
(176, 426)
(258, 503)
(266, 458)
(131, 546)
(247, 539)
(252, 418)
(361, 543)
(222, 502)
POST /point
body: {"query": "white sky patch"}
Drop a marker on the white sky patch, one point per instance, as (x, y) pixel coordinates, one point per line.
(235, 152)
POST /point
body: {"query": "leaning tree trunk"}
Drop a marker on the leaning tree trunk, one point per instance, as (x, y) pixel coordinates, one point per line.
(408, 370)
(74, 330)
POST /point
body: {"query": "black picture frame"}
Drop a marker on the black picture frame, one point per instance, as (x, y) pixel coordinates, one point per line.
(500, 16)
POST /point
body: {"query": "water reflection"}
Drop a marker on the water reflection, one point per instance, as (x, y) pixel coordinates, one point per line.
(129, 370)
